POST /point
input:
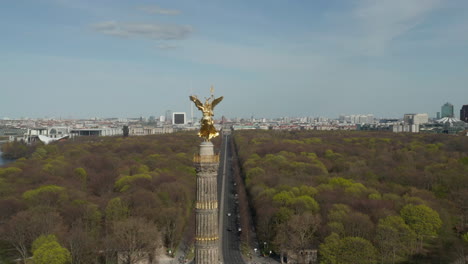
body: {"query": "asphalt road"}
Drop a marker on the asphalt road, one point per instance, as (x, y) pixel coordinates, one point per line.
(228, 212)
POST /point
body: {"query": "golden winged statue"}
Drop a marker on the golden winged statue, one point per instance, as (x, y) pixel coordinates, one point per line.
(207, 129)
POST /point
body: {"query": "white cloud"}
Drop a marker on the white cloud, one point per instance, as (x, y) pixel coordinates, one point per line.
(148, 31)
(370, 27)
(380, 22)
(158, 10)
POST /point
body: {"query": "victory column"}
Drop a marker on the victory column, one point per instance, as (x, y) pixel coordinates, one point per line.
(206, 207)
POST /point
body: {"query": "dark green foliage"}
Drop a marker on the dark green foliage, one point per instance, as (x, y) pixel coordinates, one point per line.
(125, 131)
(362, 182)
(15, 150)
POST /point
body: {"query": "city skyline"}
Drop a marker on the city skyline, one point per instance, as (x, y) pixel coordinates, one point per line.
(323, 58)
(157, 115)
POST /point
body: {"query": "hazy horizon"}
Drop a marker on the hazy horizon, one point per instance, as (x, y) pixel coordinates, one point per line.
(84, 58)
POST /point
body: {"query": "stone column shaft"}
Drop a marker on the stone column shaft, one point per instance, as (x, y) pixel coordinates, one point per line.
(206, 207)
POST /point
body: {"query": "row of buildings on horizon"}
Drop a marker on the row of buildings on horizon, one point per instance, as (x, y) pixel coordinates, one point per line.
(30, 130)
(49, 129)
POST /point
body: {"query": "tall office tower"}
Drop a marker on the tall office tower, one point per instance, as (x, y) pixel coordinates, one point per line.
(464, 113)
(447, 110)
(206, 207)
(168, 116)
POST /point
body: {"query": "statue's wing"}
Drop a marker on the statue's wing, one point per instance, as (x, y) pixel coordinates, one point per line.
(216, 101)
(197, 102)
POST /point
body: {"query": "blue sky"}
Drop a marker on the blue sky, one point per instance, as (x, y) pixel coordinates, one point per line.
(269, 58)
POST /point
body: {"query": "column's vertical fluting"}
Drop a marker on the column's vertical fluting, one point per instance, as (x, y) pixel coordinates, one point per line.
(206, 207)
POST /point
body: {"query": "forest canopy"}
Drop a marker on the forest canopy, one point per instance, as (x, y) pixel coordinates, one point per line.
(390, 197)
(87, 196)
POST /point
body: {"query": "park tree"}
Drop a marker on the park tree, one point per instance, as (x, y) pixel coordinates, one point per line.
(25, 226)
(302, 229)
(281, 241)
(19, 233)
(395, 239)
(82, 245)
(347, 222)
(125, 131)
(46, 195)
(462, 249)
(357, 224)
(41, 240)
(465, 237)
(303, 204)
(171, 223)
(338, 212)
(91, 217)
(460, 201)
(10, 206)
(82, 176)
(116, 210)
(348, 250)
(40, 153)
(15, 150)
(47, 250)
(423, 220)
(134, 239)
(328, 248)
(356, 250)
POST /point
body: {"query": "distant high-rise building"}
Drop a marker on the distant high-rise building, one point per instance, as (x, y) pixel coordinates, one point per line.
(178, 118)
(416, 119)
(168, 116)
(358, 119)
(223, 119)
(438, 115)
(464, 113)
(447, 110)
